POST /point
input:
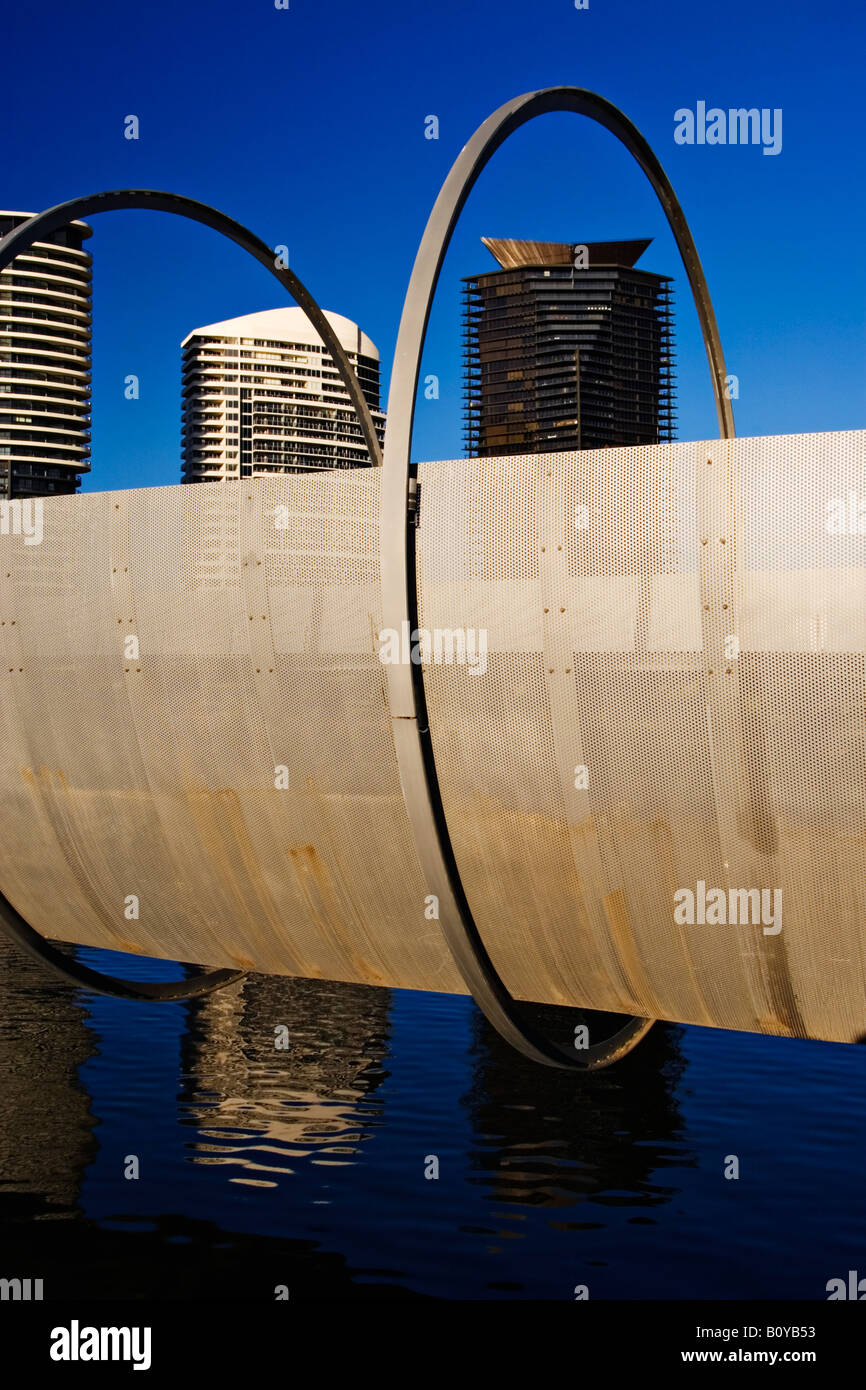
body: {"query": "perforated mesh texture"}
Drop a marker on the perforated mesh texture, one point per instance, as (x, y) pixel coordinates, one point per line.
(156, 776)
(685, 623)
(610, 647)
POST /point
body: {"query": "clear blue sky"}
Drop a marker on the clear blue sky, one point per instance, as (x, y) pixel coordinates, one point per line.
(308, 126)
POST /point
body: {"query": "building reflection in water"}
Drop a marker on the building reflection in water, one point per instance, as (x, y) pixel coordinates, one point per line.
(258, 1106)
(47, 1134)
(85, 1080)
(547, 1138)
(304, 1166)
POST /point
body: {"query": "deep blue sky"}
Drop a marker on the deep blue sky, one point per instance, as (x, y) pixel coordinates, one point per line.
(308, 126)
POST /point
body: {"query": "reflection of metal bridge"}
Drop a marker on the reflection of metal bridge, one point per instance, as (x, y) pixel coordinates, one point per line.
(255, 788)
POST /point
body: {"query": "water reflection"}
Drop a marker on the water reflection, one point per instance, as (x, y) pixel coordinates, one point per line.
(306, 1166)
(258, 1106)
(545, 1138)
(46, 1123)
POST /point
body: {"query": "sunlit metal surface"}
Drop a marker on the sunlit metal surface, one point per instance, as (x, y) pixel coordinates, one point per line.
(231, 792)
(416, 755)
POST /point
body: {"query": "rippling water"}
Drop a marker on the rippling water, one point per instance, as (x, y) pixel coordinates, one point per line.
(306, 1167)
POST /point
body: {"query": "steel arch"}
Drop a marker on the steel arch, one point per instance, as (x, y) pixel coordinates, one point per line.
(407, 700)
(20, 239)
(141, 199)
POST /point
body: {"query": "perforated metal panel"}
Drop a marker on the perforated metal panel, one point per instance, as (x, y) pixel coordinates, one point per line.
(674, 696)
(686, 623)
(156, 777)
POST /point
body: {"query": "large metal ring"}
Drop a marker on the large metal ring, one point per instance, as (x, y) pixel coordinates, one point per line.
(21, 239)
(409, 722)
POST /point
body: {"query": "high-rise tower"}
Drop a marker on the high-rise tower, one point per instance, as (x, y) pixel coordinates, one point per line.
(45, 330)
(566, 346)
(261, 394)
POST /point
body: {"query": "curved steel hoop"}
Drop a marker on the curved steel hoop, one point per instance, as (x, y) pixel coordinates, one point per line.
(20, 239)
(146, 199)
(406, 687)
(18, 930)
(407, 700)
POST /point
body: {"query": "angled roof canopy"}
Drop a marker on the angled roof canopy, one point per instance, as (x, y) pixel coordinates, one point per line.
(513, 255)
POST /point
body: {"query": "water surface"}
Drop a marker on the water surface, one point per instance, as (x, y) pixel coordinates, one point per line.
(306, 1167)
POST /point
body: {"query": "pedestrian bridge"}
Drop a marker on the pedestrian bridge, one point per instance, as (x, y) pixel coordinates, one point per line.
(625, 772)
(653, 783)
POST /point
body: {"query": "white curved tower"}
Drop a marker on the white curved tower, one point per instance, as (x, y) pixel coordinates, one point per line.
(45, 328)
(261, 395)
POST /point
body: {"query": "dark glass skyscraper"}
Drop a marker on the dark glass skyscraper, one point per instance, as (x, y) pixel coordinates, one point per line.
(567, 346)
